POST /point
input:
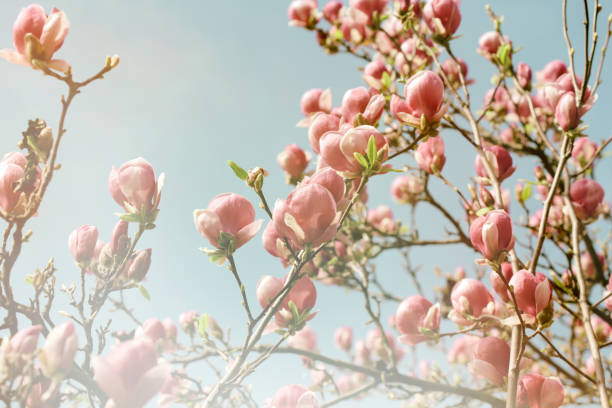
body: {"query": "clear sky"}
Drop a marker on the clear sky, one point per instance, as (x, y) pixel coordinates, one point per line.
(201, 82)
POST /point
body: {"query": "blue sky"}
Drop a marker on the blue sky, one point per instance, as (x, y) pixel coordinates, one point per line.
(201, 82)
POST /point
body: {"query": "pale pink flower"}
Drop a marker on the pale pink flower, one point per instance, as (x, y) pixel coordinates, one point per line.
(491, 234)
(267, 288)
(566, 111)
(10, 175)
(381, 218)
(424, 93)
(331, 11)
(491, 360)
(369, 7)
(499, 159)
(82, 242)
(321, 123)
(584, 151)
(552, 71)
(343, 337)
(462, 350)
(498, 284)
(407, 189)
(153, 329)
(373, 73)
(138, 266)
(360, 101)
(470, 298)
(417, 319)
(293, 396)
(442, 16)
(134, 187)
(586, 196)
(303, 294)
(430, 156)
(536, 391)
(57, 354)
(23, 342)
(532, 293)
(523, 73)
(293, 160)
(305, 339)
(187, 321)
(489, 43)
(303, 13)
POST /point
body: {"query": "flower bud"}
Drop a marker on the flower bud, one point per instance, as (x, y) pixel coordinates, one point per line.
(566, 112)
(293, 160)
(417, 320)
(361, 101)
(491, 234)
(586, 196)
(523, 73)
(442, 16)
(407, 189)
(10, 175)
(119, 242)
(373, 73)
(498, 284)
(424, 93)
(470, 298)
(227, 213)
(584, 151)
(267, 288)
(588, 266)
(381, 218)
(489, 43)
(536, 391)
(133, 186)
(139, 265)
(82, 243)
(343, 338)
(533, 293)
(57, 355)
(500, 161)
(316, 100)
(23, 342)
(452, 70)
(552, 71)
(153, 329)
(170, 329)
(369, 7)
(303, 294)
(430, 155)
(187, 321)
(491, 360)
(303, 13)
(331, 11)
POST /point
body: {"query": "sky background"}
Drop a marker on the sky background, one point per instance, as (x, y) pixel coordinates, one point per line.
(202, 82)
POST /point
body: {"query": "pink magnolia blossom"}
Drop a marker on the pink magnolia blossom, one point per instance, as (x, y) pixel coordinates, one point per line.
(82, 242)
(10, 175)
(470, 298)
(453, 70)
(303, 294)
(462, 350)
(523, 73)
(331, 11)
(533, 293)
(307, 216)
(360, 101)
(343, 337)
(584, 151)
(274, 243)
(566, 112)
(130, 375)
(411, 57)
(489, 43)
(139, 265)
(407, 189)
(416, 316)
(491, 360)
(586, 196)
(601, 328)
(305, 339)
(337, 148)
(424, 93)
(303, 13)
(316, 100)
(498, 284)
(187, 321)
(170, 329)
(588, 266)
(442, 16)
(354, 27)
(536, 391)
(153, 329)
(491, 234)
(293, 396)
(57, 354)
(134, 187)
(552, 71)
(119, 242)
(373, 73)
(227, 213)
(500, 161)
(381, 217)
(498, 99)
(293, 160)
(37, 37)
(430, 156)
(267, 288)
(376, 344)
(321, 124)
(329, 179)
(23, 342)
(362, 352)
(369, 7)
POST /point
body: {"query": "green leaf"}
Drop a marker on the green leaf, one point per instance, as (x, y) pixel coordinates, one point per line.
(526, 193)
(144, 293)
(503, 53)
(29, 279)
(129, 217)
(203, 325)
(385, 80)
(238, 171)
(483, 211)
(362, 160)
(372, 149)
(338, 35)
(294, 310)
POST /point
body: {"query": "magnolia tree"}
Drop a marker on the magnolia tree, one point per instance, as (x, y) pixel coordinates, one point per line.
(529, 324)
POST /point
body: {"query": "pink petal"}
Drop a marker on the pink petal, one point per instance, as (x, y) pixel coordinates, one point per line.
(106, 377)
(247, 232)
(14, 57)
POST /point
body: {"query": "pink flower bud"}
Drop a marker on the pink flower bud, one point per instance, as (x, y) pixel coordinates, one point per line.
(302, 13)
(321, 124)
(588, 266)
(134, 187)
(424, 93)
(37, 37)
(187, 321)
(536, 391)
(491, 360)
(130, 374)
(119, 242)
(584, 151)
(331, 11)
(405, 5)
(601, 328)
(227, 213)
(381, 217)
(489, 42)
(24, 341)
(274, 243)
(459, 273)
(57, 355)
(293, 160)
(305, 339)
(153, 329)
(462, 350)
(566, 112)
(82, 242)
(316, 100)
(139, 265)
(442, 16)
(532, 293)
(552, 71)
(267, 288)
(303, 294)
(430, 155)
(293, 396)
(523, 73)
(412, 57)
(354, 28)
(362, 352)
(407, 189)
(373, 73)
(499, 159)
(452, 70)
(307, 216)
(361, 101)
(343, 337)
(369, 7)
(376, 344)
(10, 174)
(586, 196)
(498, 100)
(470, 298)
(498, 284)
(491, 234)
(415, 317)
